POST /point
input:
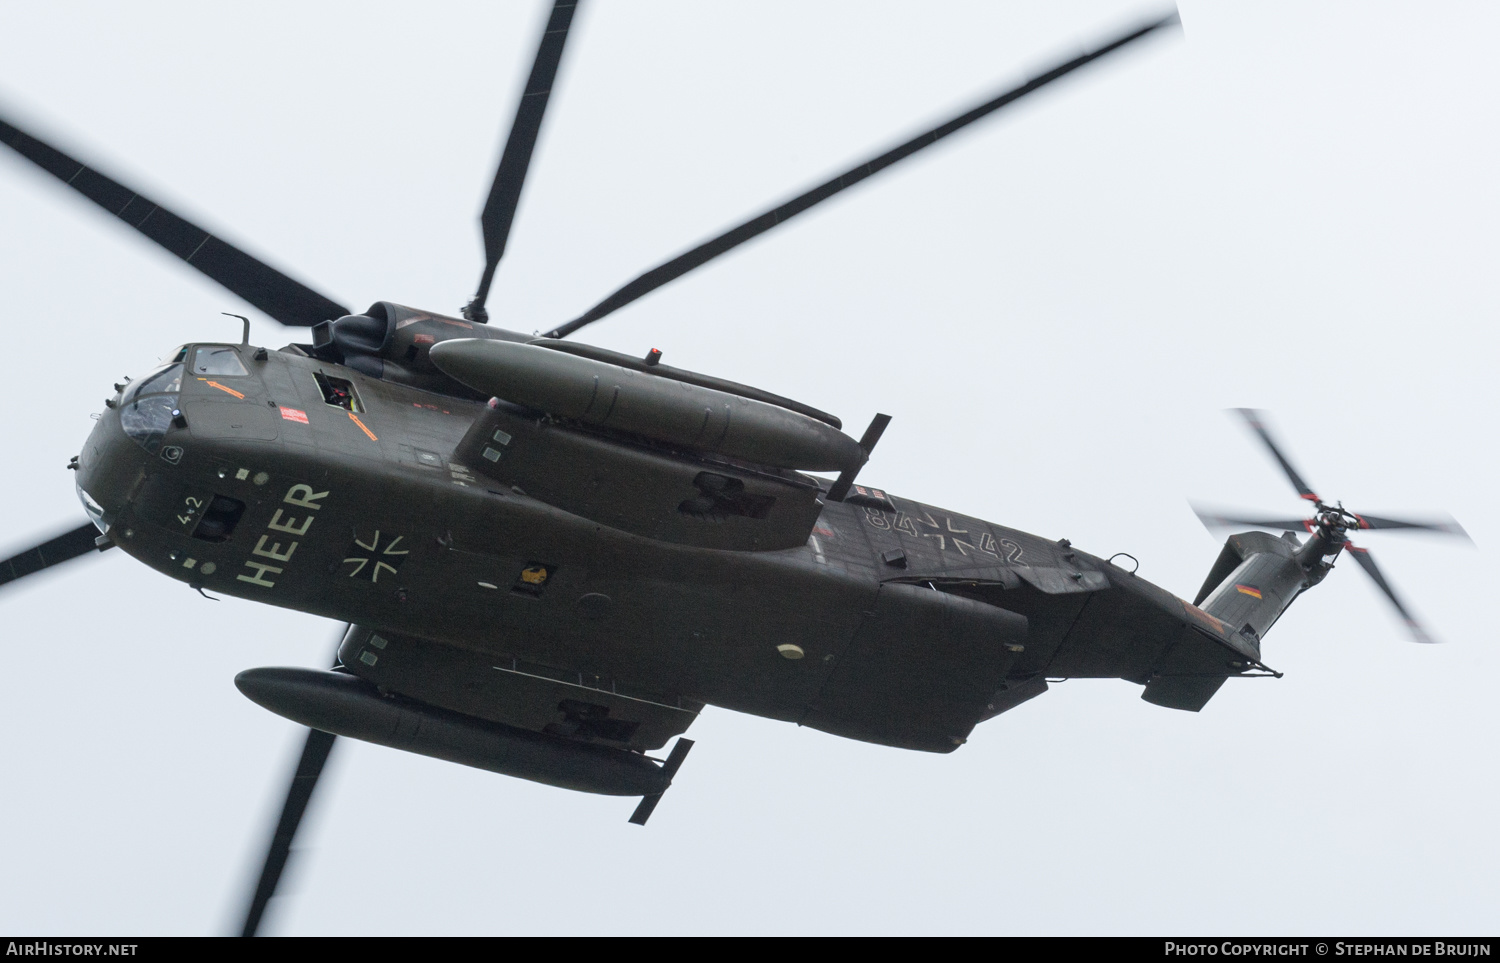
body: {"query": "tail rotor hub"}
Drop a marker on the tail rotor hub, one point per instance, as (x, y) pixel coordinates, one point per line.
(1334, 520)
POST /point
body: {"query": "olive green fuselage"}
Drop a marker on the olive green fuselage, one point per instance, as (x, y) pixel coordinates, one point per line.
(368, 516)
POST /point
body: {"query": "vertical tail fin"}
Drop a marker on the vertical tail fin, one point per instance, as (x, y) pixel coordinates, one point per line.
(1254, 580)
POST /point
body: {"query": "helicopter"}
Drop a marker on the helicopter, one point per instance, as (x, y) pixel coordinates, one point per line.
(392, 554)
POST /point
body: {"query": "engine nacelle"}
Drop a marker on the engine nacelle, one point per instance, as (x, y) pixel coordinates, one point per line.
(390, 341)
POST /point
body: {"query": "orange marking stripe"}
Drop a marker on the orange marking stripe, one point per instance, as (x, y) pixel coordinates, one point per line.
(355, 419)
(1249, 590)
(215, 384)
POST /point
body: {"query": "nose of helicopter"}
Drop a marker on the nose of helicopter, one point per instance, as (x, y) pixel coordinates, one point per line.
(109, 465)
(151, 471)
(144, 429)
(141, 427)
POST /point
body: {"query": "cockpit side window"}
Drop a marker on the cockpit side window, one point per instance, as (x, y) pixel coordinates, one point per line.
(146, 420)
(222, 360)
(338, 392)
(168, 377)
(148, 407)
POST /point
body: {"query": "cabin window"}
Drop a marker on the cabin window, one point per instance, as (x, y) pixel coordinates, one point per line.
(338, 392)
(218, 360)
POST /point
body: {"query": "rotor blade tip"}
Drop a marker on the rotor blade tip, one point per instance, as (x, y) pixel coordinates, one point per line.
(1419, 634)
(695, 257)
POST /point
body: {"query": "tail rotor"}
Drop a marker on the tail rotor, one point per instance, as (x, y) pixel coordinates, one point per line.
(1328, 528)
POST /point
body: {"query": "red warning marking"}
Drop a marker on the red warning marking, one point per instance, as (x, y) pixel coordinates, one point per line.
(292, 414)
(1249, 590)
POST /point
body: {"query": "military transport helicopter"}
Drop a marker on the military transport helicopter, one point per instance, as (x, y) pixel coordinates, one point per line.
(550, 476)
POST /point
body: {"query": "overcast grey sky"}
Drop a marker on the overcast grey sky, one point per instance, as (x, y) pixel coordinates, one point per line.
(1280, 207)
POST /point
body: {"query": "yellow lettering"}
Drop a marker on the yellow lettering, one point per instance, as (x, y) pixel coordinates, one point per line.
(291, 524)
(260, 575)
(303, 496)
(274, 551)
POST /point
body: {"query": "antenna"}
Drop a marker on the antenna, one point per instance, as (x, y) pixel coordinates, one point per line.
(245, 339)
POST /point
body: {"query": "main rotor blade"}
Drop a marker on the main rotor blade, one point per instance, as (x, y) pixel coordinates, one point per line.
(304, 781)
(1366, 562)
(1447, 526)
(505, 193)
(54, 551)
(1215, 520)
(1256, 420)
(687, 261)
(270, 291)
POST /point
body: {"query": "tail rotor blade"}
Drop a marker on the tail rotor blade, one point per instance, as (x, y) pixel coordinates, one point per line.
(1213, 520)
(1366, 562)
(505, 193)
(732, 238)
(54, 551)
(1446, 526)
(1256, 420)
(270, 291)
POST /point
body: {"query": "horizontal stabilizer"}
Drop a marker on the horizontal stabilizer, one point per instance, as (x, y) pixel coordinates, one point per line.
(1187, 693)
